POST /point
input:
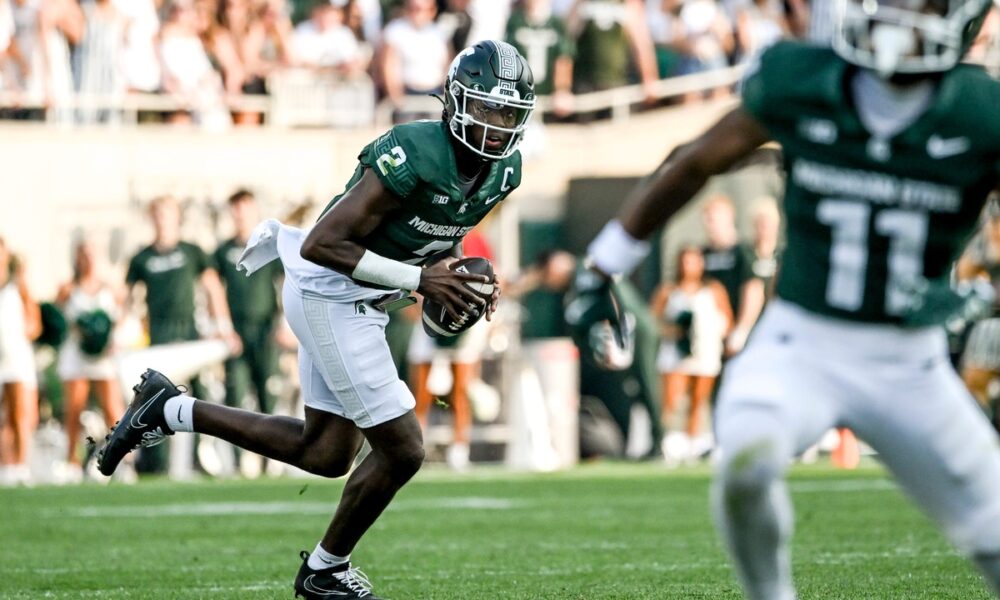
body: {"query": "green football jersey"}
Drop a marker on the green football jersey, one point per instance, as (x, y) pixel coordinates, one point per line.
(602, 47)
(252, 299)
(872, 222)
(541, 44)
(170, 278)
(416, 162)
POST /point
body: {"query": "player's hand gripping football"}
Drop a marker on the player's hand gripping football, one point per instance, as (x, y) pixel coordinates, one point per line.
(447, 287)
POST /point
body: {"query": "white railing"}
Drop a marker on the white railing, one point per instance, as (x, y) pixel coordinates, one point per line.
(308, 98)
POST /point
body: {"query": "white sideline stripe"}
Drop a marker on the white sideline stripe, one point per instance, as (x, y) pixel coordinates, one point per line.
(280, 508)
(847, 485)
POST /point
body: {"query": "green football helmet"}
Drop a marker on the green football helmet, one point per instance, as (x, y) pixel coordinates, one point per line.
(489, 96)
(907, 36)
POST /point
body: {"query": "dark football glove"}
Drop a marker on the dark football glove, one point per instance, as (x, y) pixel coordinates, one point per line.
(937, 303)
(602, 327)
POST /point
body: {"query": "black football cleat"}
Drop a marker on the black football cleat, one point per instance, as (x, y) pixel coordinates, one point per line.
(342, 582)
(143, 424)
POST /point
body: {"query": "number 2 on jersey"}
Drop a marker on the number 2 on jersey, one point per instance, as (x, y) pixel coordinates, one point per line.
(849, 222)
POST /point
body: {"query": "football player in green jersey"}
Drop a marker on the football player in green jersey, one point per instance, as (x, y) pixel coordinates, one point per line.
(890, 147)
(417, 190)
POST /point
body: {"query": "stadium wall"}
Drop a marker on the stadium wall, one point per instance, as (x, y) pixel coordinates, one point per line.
(58, 183)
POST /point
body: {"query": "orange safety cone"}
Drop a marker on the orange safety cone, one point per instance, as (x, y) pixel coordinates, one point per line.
(846, 455)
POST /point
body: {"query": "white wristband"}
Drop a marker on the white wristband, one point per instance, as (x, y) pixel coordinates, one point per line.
(615, 252)
(387, 272)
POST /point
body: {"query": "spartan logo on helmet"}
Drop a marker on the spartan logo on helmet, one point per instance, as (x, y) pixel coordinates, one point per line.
(907, 36)
(489, 96)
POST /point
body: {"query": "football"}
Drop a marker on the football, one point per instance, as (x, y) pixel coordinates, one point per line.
(436, 320)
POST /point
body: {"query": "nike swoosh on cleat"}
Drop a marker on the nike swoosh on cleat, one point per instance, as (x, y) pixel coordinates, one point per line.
(136, 420)
(310, 587)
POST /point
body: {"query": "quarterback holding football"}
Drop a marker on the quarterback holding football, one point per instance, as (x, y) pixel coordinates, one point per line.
(891, 147)
(398, 227)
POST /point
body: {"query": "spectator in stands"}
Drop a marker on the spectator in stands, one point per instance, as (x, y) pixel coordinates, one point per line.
(759, 24)
(464, 353)
(98, 60)
(981, 359)
(456, 25)
(139, 61)
(731, 264)
(187, 71)
(540, 36)
(20, 323)
(8, 49)
(44, 30)
(170, 269)
(364, 19)
(605, 32)
(220, 47)
(415, 57)
(667, 32)
(325, 42)
(262, 34)
(253, 305)
(694, 316)
(489, 20)
(766, 233)
(708, 39)
(91, 307)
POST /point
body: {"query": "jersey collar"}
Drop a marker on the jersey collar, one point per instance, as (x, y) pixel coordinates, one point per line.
(916, 131)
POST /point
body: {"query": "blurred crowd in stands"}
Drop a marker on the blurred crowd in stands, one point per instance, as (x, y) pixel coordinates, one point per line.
(209, 55)
(76, 60)
(62, 360)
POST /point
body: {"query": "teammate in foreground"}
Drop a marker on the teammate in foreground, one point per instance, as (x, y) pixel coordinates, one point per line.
(417, 190)
(890, 148)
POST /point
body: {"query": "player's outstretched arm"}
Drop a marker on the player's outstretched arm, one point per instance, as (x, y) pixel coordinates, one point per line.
(334, 243)
(619, 246)
(676, 181)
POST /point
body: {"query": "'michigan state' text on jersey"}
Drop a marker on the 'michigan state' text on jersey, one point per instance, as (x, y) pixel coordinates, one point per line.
(873, 220)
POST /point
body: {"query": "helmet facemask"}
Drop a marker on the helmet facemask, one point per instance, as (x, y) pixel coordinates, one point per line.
(906, 36)
(497, 114)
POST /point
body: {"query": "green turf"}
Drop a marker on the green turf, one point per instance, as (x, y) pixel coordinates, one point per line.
(604, 531)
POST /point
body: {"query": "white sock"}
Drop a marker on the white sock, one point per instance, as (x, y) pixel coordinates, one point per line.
(321, 559)
(179, 412)
(751, 504)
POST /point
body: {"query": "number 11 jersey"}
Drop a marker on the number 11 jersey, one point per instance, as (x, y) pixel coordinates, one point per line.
(873, 222)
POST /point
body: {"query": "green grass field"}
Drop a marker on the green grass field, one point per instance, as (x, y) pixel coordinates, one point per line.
(601, 531)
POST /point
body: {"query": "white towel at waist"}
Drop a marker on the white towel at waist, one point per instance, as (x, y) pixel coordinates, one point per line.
(272, 240)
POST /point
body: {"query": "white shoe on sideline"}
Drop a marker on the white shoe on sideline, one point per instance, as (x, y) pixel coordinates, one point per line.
(676, 446)
(66, 473)
(458, 456)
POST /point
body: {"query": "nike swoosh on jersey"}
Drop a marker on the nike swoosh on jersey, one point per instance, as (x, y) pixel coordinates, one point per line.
(136, 420)
(309, 586)
(939, 147)
(492, 199)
